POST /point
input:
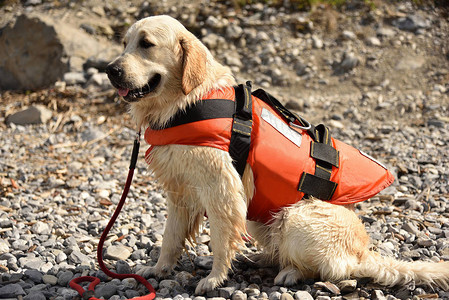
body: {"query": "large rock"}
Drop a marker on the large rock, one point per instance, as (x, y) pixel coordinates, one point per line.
(37, 114)
(412, 23)
(37, 50)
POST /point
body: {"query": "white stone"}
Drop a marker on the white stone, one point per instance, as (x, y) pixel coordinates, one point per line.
(41, 228)
(4, 247)
(72, 78)
(103, 193)
(373, 41)
(117, 252)
(349, 35)
(303, 295)
(146, 220)
(317, 43)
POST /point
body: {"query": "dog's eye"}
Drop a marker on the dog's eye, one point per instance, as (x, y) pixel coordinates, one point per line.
(124, 44)
(145, 44)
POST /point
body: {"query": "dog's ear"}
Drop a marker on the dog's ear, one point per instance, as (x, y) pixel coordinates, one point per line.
(193, 63)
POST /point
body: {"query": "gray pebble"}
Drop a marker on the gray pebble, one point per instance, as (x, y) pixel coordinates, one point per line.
(35, 296)
(131, 294)
(412, 23)
(117, 252)
(425, 242)
(50, 279)
(36, 114)
(91, 134)
(274, 295)
(213, 294)
(106, 290)
(11, 291)
(79, 258)
(40, 228)
(410, 227)
(72, 78)
(5, 223)
(61, 257)
(204, 262)
(34, 275)
(122, 267)
(226, 292)
(31, 263)
(64, 278)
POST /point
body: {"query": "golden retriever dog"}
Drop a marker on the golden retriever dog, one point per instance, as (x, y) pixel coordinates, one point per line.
(163, 69)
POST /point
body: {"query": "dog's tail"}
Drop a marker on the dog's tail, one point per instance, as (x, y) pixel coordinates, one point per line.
(390, 272)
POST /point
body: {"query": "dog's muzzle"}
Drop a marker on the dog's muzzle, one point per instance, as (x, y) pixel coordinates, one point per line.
(116, 75)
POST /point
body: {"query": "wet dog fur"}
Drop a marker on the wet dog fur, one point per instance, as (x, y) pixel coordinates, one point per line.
(311, 239)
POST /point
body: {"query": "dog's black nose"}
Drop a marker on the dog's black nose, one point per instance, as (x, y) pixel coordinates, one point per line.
(114, 71)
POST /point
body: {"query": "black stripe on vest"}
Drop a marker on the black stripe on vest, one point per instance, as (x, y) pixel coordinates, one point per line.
(203, 110)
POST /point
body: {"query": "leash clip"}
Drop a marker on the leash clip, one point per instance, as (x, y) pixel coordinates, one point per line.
(135, 152)
(301, 120)
(307, 127)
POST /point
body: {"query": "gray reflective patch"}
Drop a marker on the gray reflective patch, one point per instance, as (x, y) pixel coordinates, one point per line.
(373, 159)
(294, 136)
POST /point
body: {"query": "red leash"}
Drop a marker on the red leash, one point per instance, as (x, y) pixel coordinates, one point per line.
(74, 283)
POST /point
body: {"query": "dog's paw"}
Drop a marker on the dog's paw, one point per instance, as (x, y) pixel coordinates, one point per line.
(207, 284)
(288, 276)
(147, 272)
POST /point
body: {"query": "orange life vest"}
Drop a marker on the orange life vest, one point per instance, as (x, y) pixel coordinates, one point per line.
(280, 158)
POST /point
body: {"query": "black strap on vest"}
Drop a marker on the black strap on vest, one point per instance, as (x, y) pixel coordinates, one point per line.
(291, 117)
(326, 156)
(203, 110)
(241, 127)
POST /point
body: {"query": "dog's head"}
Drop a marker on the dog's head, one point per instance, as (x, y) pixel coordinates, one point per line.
(160, 55)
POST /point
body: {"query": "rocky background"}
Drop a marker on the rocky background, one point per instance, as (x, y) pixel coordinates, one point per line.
(376, 72)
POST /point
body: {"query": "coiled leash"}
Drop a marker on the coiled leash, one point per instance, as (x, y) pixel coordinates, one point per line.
(74, 283)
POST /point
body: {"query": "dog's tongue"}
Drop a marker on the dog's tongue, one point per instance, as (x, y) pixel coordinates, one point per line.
(123, 92)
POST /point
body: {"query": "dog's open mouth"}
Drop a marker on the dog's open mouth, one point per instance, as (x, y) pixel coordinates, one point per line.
(133, 95)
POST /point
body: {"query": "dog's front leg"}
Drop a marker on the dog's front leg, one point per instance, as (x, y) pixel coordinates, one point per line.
(223, 254)
(175, 234)
(226, 211)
